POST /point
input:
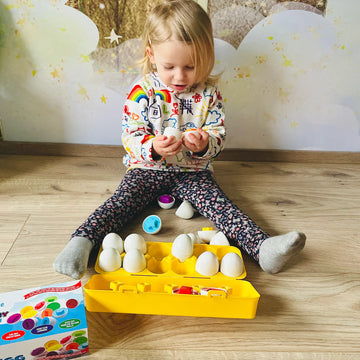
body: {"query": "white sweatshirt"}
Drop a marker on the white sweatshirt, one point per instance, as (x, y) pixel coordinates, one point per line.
(151, 106)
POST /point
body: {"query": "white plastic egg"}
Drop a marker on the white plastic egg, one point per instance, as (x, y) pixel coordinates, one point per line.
(170, 131)
(195, 238)
(207, 264)
(219, 239)
(185, 210)
(188, 132)
(232, 265)
(135, 241)
(113, 240)
(134, 261)
(182, 247)
(110, 259)
(206, 235)
(166, 201)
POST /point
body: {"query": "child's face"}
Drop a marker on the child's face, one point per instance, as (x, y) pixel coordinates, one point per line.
(174, 63)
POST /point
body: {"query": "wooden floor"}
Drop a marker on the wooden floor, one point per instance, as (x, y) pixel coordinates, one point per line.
(309, 311)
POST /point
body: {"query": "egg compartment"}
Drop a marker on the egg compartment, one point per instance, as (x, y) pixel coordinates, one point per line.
(155, 290)
(144, 294)
(160, 261)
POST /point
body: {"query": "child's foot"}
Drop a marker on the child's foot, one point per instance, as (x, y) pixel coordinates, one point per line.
(73, 260)
(276, 251)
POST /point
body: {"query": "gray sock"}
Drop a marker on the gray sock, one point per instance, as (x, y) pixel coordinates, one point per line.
(276, 251)
(73, 259)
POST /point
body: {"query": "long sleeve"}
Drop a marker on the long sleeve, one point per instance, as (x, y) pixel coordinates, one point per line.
(214, 126)
(137, 132)
(151, 107)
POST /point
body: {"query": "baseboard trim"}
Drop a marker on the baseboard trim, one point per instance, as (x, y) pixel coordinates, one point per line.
(65, 149)
(295, 156)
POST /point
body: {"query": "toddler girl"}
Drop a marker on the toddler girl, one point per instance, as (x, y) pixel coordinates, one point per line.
(176, 91)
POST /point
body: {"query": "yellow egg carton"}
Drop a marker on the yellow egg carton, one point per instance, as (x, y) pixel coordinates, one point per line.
(170, 287)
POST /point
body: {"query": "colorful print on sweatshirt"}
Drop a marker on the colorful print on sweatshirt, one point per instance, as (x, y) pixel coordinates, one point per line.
(151, 106)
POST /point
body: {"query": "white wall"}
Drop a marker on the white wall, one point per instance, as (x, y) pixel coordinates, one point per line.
(293, 83)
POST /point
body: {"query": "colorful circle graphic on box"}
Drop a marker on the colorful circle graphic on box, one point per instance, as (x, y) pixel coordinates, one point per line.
(14, 319)
(43, 323)
(48, 321)
(59, 313)
(72, 346)
(66, 340)
(29, 324)
(78, 333)
(26, 309)
(46, 313)
(30, 314)
(51, 299)
(40, 306)
(40, 351)
(50, 344)
(54, 306)
(72, 304)
(81, 340)
(67, 345)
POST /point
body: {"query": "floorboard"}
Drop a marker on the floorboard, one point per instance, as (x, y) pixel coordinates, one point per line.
(309, 311)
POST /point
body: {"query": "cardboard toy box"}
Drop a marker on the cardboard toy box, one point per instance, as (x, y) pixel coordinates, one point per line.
(43, 323)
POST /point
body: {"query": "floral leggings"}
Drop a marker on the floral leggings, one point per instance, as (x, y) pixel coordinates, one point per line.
(140, 187)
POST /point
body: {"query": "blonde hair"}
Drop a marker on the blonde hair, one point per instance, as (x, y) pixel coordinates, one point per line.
(183, 20)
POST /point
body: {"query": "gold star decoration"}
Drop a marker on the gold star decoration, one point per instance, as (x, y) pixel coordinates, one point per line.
(261, 59)
(287, 62)
(83, 92)
(55, 74)
(284, 95)
(294, 124)
(85, 58)
(103, 99)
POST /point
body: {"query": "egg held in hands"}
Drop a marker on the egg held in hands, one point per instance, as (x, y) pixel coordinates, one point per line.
(170, 131)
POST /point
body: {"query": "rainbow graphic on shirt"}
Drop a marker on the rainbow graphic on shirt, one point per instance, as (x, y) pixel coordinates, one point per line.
(137, 93)
(164, 95)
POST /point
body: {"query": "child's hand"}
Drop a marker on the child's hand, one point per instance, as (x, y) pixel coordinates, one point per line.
(164, 146)
(197, 142)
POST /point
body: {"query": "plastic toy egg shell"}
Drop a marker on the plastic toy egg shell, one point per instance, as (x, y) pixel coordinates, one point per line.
(152, 224)
(190, 131)
(206, 234)
(219, 239)
(185, 210)
(166, 201)
(110, 259)
(135, 241)
(113, 240)
(170, 131)
(195, 238)
(134, 261)
(232, 265)
(207, 264)
(182, 247)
